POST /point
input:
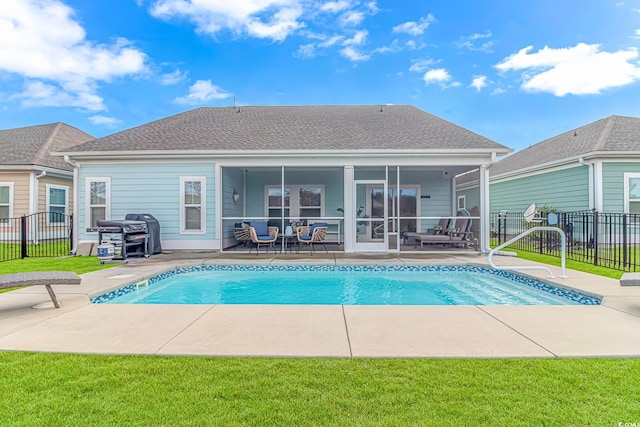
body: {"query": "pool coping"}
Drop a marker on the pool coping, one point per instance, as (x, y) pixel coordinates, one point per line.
(609, 329)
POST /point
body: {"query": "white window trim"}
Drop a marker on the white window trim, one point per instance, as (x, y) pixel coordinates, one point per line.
(462, 198)
(87, 198)
(48, 187)
(10, 185)
(627, 177)
(294, 202)
(203, 204)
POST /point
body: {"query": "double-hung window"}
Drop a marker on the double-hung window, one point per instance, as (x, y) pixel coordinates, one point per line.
(299, 201)
(6, 198)
(192, 204)
(57, 203)
(98, 199)
(632, 193)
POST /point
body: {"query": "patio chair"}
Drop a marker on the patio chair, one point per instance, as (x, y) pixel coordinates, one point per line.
(459, 234)
(440, 228)
(242, 235)
(263, 235)
(312, 235)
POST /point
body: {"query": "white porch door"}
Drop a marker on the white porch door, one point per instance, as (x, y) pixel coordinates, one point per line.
(370, 222)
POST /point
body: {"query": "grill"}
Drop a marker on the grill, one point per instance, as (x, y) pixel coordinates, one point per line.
(133, 238)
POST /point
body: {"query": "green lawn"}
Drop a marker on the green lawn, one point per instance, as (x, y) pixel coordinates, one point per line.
(79, 264)
(68, 390)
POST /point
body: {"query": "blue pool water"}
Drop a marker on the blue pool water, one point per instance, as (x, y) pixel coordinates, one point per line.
(346, 285)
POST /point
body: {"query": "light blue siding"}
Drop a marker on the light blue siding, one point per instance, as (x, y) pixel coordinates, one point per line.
(613, 185)
(566, 190)
(153, 189)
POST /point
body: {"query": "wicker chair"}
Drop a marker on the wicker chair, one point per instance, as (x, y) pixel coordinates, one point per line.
(242, 235)
(312, 235)
(264, 239)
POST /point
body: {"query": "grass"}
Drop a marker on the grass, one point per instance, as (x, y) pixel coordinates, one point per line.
(572, 265)
(78, 264)
(55, 389)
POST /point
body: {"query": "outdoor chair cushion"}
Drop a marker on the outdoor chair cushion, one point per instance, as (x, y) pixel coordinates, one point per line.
(305, 237)
(316, 225)
(261, 227)
(267, 237)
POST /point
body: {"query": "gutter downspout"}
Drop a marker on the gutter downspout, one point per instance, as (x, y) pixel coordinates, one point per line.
(484, 183)
(76, 202)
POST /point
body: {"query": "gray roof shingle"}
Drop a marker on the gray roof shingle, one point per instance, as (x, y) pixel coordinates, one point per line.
(612, 134)
(31, 145)
(294, 128)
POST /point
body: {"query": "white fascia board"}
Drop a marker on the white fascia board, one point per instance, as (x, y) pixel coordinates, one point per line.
(60, 173)
(609, 156)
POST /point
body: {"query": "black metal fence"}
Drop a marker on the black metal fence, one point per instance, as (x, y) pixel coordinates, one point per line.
(609, 240)
(43, 234)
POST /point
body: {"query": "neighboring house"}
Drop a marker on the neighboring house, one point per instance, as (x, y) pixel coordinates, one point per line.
(596, 166)
(31, 180)
(203, 171)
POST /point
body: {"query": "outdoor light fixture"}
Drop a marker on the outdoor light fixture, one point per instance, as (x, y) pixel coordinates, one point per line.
(235, 196)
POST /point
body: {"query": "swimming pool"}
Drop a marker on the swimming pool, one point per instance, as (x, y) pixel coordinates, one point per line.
(346, 285)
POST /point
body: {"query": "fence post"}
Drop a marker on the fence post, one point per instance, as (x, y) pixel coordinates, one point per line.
(624, 240)
(71, 248)
(23, 237)
(595, 237)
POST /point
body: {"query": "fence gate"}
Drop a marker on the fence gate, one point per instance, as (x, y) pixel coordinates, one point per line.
(43, 234)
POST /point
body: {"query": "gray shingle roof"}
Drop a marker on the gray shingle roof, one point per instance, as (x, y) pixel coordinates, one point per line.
(612, 134)
(294, 128)
(31, 145)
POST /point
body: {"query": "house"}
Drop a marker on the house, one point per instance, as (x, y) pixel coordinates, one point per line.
(31, 180)
(371, 172)
(596, 166)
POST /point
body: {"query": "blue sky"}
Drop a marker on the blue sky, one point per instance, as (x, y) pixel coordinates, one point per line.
(514, 71)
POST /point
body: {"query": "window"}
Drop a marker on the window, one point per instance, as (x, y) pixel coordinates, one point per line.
(57, 203)
(192, 206)
(300, 201)
(632, 193)
(98, 196)
(6, 197)
(462, 202)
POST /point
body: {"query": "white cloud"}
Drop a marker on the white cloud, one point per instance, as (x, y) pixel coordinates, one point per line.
(41, 41)
(392, 48)
(470, 42)
(39, 94)
(359, 38)
(439, 76)
(202, 91)
(415, 28)
(479, 82)
(351, 18)
(420, 65)
(104, 120)
(306, 51)
(334, 6)
(173, 77)
(579, 70)
(353, 55)
(273, 19)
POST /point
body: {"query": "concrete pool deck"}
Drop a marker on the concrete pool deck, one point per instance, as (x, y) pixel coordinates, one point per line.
(610, 329)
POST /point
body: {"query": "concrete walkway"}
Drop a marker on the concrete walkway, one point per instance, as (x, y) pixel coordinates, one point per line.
(611, 329)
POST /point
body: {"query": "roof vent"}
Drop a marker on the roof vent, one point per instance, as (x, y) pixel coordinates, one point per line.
(575, 133)
(381, 110)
